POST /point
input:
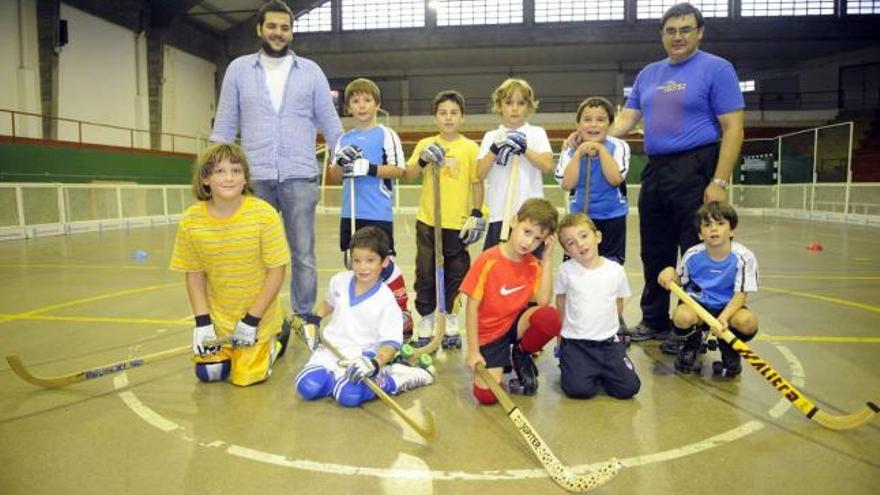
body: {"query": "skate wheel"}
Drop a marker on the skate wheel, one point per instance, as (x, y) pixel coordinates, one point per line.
(717, 368)
(712, 345)
(406, 351)
(425, 360)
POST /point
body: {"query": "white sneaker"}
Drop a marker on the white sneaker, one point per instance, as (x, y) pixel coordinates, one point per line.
(452, 324)
(403, 377)
(426, 327)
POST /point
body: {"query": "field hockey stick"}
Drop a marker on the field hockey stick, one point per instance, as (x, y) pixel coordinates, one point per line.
(563, 476)
(428, 430)
(512, 185)
(79, 376)
(832, 421)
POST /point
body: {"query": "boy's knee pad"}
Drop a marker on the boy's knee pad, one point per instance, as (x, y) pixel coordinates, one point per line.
(350, 394)
(544, 325)
(314, 383)
(484, 396)
(213, 372)
(741, 336)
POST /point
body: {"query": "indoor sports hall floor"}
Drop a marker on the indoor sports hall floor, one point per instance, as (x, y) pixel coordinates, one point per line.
(74, 302)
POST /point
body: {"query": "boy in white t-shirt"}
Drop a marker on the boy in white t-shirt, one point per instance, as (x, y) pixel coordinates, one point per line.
(590, 290)
(514, 101)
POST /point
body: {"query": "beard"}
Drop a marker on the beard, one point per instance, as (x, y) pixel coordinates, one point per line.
(271, 52)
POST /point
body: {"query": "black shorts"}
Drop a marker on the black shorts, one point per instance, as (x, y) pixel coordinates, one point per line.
(497, 352)
(345, 231)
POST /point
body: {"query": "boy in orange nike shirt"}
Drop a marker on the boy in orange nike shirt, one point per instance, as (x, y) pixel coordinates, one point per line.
(508, 295)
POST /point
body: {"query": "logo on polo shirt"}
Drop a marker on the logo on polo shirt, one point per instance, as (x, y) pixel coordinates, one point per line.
(506, 292)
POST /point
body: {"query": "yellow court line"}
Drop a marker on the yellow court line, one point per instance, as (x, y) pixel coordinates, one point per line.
(56, 266)
(94, 319)
(821, 277)
(823, 339)
(84, 300)
(834, 300)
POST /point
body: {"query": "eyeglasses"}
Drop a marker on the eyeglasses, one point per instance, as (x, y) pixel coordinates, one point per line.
(685, 31)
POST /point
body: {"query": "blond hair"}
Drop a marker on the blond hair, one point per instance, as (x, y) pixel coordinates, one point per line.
(575, 220)
(208, 158)
(539, 211)
(508, 88)
(361, 86)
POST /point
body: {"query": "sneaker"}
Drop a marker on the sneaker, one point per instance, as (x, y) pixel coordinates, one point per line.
(642, 332)
(402, 377)
(526, 371)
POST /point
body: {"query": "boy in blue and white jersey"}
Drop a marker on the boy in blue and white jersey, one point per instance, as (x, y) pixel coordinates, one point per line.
(370, 157)
(607, 160)
(719, 274)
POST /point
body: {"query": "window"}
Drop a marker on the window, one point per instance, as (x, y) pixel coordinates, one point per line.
(578, 10)
(382, 14)
(654, 9)
(472, 12)
(747, 86)
(315, 20)
(862, 7)
(775, 8)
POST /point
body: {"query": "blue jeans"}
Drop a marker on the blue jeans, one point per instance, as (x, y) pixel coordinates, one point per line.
(296, 199)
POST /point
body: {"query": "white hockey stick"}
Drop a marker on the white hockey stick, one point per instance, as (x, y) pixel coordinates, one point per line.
(563, 476)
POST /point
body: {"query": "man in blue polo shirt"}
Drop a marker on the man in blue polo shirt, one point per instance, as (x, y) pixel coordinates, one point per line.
(693, 112)
(278, 100)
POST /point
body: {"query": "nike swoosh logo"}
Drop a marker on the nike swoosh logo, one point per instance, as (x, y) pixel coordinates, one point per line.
(506, 292)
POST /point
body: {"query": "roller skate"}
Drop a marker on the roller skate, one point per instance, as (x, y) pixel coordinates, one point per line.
(425, 331)
(731, 363)
(526, 381)
(452, 336)
(687, 359)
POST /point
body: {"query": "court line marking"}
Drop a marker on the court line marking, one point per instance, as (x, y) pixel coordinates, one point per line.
(820, 339)
(164, 424)
(834, 300)
(94, 319)
(85, 300)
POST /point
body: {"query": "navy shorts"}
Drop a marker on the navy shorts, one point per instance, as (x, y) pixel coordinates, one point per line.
(497, 352)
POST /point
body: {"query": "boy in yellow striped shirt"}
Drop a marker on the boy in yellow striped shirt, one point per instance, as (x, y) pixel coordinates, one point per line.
(231, 246)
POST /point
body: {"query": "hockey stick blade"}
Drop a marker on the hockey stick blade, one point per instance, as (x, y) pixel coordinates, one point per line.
(428, 430)
(563, 476)
(109, 369)
(832, 421)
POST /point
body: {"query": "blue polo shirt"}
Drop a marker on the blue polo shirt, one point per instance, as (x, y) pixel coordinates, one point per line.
(680, 102)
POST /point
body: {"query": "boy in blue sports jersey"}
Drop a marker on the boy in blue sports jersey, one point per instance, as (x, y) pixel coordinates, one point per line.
(719, 274)
(607, 160)
(369, 158)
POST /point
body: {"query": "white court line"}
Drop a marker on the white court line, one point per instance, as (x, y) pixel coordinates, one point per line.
(166, 425)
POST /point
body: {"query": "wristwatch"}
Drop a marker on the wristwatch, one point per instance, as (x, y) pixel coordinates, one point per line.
(723, 184)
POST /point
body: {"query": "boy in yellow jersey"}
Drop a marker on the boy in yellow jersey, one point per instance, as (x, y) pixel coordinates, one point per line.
(231, 246)
(462, 222)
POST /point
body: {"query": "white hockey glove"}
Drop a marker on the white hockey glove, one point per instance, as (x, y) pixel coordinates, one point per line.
(347, 154)
(360, 368)
(204, 332)
(432, 154)
(473, 228)
(516, 141)
(246, 331)
(359, 168)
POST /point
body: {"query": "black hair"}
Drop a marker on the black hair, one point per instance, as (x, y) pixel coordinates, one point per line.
(715, 210)
(681, 10)
(273, 6)
(372, 238)
(449, 95)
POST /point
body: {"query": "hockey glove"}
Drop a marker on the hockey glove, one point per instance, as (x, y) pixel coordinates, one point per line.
(347, 154)
(432, 154)
(473, 228)
(359, 168)
(516, 141)
(246, 331)
(204, 332)
(360, 368)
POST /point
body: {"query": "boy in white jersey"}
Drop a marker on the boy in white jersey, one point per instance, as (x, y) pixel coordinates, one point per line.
(370, 158)
(366, 326)
(590, 290)
(231, 246)
(719, 274)
(514, 101)
(461, 214)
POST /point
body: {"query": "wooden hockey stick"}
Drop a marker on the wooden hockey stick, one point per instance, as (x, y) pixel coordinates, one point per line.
(563, 476)
(79, 376)
(587, 186)
(428, 431)
(835, 422)
(346, 255)
(512, 190)
(439, 277)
